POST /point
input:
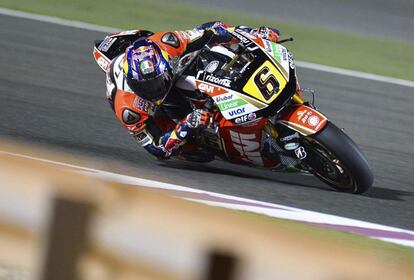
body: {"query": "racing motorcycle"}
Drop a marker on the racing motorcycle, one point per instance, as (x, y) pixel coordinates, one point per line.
(260, 116)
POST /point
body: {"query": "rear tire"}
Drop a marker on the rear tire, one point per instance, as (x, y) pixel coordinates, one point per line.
(336, 160)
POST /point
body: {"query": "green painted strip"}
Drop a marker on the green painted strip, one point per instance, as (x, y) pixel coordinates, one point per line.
(316, 45)
(276, 53)
(231, 104)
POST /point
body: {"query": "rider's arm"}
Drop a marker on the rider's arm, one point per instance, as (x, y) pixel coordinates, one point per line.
(135, 114)
(165, 145)
(177, 43)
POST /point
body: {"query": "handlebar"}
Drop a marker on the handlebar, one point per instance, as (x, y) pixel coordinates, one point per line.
(285, 40)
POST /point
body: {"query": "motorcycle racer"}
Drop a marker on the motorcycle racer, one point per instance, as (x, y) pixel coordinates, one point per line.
(140, 80)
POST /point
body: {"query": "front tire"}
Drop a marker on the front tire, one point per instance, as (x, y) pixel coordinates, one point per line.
(336, 160)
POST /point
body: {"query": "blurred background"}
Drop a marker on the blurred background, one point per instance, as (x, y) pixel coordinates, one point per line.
(377, 34)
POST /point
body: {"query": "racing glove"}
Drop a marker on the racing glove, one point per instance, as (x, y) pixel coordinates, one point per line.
(268, 33)
(183, 131)
(218, 30)
(198, 118)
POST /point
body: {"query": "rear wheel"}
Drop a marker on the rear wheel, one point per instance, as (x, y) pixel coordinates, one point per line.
(336, 160)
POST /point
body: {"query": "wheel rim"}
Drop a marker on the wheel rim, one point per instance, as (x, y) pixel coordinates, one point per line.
(329, 168)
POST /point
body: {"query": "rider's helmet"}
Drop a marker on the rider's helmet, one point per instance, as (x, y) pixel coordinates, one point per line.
(147, 71)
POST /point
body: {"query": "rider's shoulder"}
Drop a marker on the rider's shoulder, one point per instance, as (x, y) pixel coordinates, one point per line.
(173, 42)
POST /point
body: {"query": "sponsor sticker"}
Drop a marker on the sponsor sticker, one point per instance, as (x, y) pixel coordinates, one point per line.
(218, 81)
(290, 137)
(143, 137)
(130, 117)
(291, 146)
(223, 98)
(245, 118)
(313, 120)
(210, 89)
(142, 104)
(248, 146)
(237, 112)
(276, 53)
(206, 88)
(309, 117)
(231, 104)
(291, 61)
(103, 63)
(304, 115)
(171, 39)
(127, 32)
(106, 44)
(239, 36)
(300, 153)
(283, 52)
(268, 46)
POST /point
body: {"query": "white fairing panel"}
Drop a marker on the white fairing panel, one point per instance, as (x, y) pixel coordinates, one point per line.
(222, 50)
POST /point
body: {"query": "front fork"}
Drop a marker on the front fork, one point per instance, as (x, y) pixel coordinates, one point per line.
(295, 121)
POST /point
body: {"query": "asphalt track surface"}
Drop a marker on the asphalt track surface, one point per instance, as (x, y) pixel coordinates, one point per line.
(391, 19)
(52, 95)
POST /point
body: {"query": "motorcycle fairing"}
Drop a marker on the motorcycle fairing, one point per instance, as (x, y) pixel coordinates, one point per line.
(261, 84)
(303, 119)
(274, 52)
(279, 55)
(271, 77)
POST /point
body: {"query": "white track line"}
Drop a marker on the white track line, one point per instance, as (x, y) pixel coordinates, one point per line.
(58, 21)
(106, 29)
(356, 74)
(239, 203)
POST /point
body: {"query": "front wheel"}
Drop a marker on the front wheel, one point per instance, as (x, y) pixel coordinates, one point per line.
(336, 160)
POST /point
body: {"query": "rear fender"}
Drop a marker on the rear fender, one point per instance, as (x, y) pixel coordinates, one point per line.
(303, 119)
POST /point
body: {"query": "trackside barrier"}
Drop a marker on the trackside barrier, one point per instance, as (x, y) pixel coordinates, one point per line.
(59, 224)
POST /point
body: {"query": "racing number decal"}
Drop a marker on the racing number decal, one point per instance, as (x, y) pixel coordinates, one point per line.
(266, 83)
